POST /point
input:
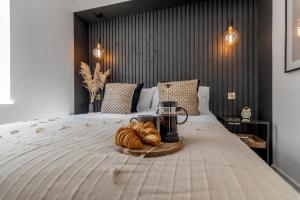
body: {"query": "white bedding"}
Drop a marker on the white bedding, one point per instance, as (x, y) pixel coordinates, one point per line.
(208, 117)
(74, 158)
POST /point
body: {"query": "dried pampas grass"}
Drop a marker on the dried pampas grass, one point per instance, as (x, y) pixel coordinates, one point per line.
(93, 82)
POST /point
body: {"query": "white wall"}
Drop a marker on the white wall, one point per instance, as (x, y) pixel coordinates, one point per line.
(286, 102)
(41, 60)
(80, 5)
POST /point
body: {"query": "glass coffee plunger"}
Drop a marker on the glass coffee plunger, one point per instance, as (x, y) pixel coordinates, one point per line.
(167, 114)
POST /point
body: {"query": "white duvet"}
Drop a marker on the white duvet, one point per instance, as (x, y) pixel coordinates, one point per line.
(209, 117)
(74, 158)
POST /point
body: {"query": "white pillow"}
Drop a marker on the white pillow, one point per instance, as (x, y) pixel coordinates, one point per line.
(145, 100)
(203, 96)
(155, 100)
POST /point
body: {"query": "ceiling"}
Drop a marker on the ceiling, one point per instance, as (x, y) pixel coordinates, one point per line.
(80, 5)
(128, 8)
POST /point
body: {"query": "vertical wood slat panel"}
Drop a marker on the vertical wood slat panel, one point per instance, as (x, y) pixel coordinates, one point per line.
(229, 63)
(170, 44)
(226, 63)
(241, 56)
(188, 43)
(114, 49)
(155, 47)
(123, 57)
(178, 40)
(81, 46)
(220, 56)
(159, 46)
(255, 69)
(192, 41)
(184, 43)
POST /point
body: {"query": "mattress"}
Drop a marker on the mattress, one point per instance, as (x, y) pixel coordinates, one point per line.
(74, 158)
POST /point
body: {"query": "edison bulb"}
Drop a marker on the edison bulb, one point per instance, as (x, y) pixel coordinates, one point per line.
(98, 51)
(231, 37)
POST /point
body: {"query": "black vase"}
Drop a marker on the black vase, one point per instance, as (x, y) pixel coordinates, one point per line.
(98, 103)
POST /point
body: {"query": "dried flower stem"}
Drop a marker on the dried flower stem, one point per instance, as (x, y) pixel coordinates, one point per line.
(93, 82)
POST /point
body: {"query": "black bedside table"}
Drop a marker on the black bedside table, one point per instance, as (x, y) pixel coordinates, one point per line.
(234, 121)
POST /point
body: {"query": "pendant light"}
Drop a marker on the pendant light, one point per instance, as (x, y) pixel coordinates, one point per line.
(231, 36)
(98, 51)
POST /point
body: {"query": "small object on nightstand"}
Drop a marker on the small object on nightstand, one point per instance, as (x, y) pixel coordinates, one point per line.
(253, 141)
(246, 114)
(234, 119)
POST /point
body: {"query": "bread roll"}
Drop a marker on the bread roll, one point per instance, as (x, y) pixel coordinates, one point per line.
(128, 138)
(147, 132)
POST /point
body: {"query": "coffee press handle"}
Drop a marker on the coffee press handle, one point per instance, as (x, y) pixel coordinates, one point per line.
(134, 119)
(186, 115)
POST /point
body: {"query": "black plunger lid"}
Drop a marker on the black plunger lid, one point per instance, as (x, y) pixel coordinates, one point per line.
(168, 104)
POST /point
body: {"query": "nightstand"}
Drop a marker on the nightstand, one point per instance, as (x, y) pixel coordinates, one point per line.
(252, 140)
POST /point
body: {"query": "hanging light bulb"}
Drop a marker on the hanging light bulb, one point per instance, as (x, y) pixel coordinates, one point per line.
(231, 36)
(98, 51)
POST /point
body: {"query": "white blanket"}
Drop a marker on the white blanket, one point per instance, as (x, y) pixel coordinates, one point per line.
(74, 158)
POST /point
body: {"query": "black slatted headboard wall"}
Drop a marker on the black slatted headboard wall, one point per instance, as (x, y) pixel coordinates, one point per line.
(185, 43)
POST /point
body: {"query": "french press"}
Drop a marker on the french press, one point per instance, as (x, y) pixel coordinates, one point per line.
(167, 114)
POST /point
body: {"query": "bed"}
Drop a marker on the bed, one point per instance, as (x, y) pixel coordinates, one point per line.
(74, 158)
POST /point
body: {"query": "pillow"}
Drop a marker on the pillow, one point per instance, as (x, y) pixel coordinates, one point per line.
(136, 96)
(203, 96)
(155, 99)
(145, 100)
(185, 93)
(118, 98)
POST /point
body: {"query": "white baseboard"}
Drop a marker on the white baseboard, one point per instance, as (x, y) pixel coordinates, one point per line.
(287, 178)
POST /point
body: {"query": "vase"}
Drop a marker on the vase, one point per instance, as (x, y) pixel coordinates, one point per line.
(91, 107)
(98, 103)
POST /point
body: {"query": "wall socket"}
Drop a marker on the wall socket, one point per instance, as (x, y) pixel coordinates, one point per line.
(231, 95)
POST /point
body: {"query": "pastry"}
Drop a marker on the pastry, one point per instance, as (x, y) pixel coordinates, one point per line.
(147, 132)
(152, 137)
(128, 138)
(149, 125)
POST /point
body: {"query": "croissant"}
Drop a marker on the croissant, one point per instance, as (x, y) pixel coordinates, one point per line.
(147, 132)
(149, 125)
(152, 137)
(128, 138)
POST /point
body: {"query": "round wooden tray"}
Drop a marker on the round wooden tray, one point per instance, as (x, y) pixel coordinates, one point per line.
(150, 151)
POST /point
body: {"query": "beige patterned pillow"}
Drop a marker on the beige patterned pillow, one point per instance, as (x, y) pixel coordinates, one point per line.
(183, 92)
(118, 98)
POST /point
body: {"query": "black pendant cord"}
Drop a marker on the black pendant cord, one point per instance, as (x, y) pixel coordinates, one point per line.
(229, 10)
(98, 16)
(98, 19)
(230, 22)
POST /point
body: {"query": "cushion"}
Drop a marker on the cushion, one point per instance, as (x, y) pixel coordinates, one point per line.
(145, 100)
(185, 93)
(203, 96)
(136, 96)
(155, 99)
(118, 98)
